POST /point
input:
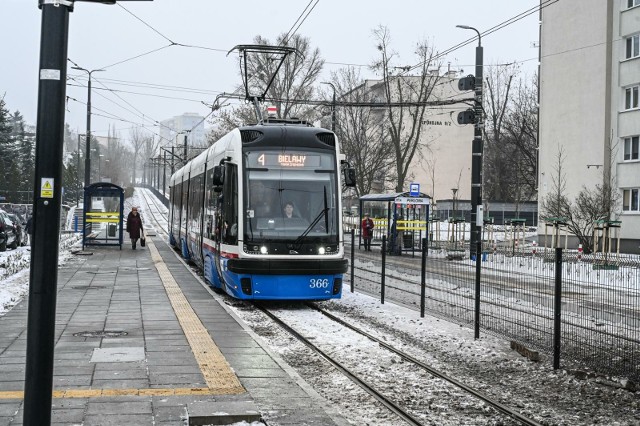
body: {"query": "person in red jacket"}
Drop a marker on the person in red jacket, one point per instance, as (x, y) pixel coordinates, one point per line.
(367, 231)
(134, 227)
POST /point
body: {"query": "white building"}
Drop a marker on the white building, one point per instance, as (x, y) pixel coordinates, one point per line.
(589, 89)
(191, 124)
(443, 161)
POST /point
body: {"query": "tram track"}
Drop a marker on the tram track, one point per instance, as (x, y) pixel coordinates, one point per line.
(406, 414)
(152, 212)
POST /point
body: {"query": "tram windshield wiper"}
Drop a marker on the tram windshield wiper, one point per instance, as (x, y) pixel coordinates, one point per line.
(324, 212)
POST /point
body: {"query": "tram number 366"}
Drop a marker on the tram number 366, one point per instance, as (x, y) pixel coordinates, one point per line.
(318, 283)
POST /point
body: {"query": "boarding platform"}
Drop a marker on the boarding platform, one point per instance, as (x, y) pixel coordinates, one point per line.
(140, 341)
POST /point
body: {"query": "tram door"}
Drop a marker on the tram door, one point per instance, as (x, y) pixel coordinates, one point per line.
(227, 212)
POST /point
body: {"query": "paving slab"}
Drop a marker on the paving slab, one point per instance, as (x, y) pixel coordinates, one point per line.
(150, 375)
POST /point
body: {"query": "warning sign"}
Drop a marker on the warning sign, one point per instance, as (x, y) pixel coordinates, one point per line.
(46, 188)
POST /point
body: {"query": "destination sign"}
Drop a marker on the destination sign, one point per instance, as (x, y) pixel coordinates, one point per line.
(298, 160)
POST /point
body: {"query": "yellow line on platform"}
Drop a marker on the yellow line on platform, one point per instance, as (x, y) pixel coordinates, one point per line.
(214, 367)
(97, 393)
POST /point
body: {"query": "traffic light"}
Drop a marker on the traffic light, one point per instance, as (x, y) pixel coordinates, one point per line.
(467, 83)
(466, 117)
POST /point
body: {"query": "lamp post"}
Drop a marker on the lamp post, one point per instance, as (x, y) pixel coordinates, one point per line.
(476, 158)
(87, 160)
(333, 106)
(78, 183)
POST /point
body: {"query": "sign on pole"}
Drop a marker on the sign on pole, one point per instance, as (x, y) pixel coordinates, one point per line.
(414, 189)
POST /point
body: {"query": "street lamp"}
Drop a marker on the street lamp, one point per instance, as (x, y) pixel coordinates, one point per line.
(333, 106)
(476, 158)
(87, 160)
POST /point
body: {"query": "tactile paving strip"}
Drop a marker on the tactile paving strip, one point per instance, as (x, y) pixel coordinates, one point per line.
(216, 370)
(94, 393)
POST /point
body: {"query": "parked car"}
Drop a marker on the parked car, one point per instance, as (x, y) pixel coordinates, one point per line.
(19, 223)
(8, 232)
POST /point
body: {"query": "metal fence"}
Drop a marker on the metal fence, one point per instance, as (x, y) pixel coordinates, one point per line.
(580, 310)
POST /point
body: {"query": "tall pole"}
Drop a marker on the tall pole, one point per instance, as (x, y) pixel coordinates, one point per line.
(78, 175)
(87, 158)
(164, 171)
(476, 158)
(43, 274)
(333, 106)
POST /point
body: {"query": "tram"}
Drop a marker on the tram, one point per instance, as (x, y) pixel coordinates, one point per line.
(260, 212)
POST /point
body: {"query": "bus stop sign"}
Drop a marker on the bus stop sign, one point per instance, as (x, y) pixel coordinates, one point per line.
(414, 190)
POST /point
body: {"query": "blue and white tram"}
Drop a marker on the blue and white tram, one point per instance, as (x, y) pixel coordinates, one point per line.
(260, 212)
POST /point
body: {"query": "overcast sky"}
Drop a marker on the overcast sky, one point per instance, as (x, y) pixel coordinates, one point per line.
(103, 35)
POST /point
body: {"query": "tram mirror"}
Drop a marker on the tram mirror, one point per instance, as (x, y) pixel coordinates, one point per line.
(350, 177)
(218, 176)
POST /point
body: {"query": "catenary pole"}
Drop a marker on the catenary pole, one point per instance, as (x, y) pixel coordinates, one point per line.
(43, 274)
(87, 157)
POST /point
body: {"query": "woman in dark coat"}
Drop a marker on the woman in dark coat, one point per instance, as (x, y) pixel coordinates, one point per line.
(134, 226)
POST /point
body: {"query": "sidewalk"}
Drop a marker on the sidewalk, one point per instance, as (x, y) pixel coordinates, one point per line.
(140, 341)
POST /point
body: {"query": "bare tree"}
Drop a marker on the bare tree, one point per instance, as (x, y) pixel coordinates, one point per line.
(521, 135)
(590, 206)
(149, 147)
(496, 157)
(364, 138)
(510, 155)
(117, 163)
(405, 98)
(293, 85)
(137, 141)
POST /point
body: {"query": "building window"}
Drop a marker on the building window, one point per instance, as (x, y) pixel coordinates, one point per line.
(631, 97)
(631, 148)
(632, 3)
(630, 200)
(633, 46)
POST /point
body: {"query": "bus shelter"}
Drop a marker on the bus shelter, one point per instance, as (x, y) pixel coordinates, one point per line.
(402, 218)
(102, 215)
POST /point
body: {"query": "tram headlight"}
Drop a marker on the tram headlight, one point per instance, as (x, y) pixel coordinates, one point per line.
(263, 250)
(321, 250)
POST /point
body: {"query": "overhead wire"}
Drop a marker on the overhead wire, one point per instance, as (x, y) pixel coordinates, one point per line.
(286, 36)
(299, 21)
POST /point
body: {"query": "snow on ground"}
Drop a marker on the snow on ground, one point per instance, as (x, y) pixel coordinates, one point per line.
(14, 270)
(487, 364)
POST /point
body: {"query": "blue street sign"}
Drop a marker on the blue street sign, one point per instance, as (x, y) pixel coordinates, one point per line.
(414, 189)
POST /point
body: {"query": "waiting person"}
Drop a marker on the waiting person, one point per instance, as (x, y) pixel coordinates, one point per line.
(366, 227)
(134, 227)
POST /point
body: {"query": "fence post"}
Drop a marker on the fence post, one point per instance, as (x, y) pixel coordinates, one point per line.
(557, 308)
(478, 265)
(384, 260)
(423, 273)
(353, 239)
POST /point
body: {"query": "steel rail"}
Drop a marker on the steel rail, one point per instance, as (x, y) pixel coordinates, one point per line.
(498, 406)
(344, 370)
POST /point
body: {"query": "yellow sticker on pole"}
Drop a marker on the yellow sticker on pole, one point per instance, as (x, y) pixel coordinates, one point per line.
(46, 188)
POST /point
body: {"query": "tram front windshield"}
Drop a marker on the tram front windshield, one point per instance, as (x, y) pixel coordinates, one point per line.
(290, 198)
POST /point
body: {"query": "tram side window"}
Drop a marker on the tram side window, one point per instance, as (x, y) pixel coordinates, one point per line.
(210, 198)
(184, 205)
(195, 203)
(230, 205)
